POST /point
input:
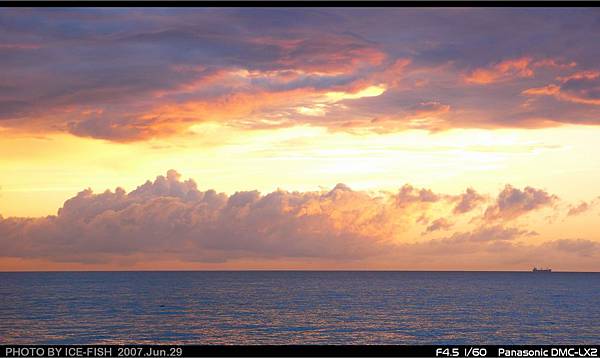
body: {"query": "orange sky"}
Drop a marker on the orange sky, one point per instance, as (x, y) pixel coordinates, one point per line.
(453, 156)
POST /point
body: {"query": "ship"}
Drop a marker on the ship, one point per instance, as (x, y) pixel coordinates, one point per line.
(535, 269)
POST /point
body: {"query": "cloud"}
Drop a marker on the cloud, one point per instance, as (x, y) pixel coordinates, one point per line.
(511, 69)
(490, 233)
(576, 210)
(580, 87)
(582, 207)
(502, 71)
(439, 224)
(170, 219)
(506, 247)
(423, 115)
(136, 75)
(173, 217)
(159, 69)
(579, 247)
(581, 75)
(408, 195)
(512, 203)
(468, 201)
(496, 241)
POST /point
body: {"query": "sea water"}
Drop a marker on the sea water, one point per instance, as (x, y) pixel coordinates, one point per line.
(299, 307)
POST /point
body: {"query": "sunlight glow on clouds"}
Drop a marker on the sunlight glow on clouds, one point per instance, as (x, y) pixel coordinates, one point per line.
(155, 76)
(459, 140)
(171, 217)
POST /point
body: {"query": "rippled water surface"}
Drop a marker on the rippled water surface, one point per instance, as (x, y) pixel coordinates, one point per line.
(299, 307)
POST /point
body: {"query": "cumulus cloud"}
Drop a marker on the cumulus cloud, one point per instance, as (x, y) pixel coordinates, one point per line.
(439, 224)
(468, 201)
(171, 219)
(174, 217)
(512, 202)
(408, 195)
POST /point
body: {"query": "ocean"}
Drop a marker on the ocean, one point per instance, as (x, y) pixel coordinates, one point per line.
(299, 307)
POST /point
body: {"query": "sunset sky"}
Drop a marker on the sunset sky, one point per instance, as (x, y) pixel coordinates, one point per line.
(304, 138)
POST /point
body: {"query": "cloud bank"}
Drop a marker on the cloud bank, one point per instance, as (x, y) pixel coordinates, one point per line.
(170, 218)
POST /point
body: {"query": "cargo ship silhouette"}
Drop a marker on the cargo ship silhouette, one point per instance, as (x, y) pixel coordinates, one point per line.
(535, 269)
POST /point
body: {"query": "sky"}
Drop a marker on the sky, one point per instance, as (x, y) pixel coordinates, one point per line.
(301, 138)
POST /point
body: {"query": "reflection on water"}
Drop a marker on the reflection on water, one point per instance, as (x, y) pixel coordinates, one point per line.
(299, 307)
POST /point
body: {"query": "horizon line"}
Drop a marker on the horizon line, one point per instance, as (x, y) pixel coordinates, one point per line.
(291, 270)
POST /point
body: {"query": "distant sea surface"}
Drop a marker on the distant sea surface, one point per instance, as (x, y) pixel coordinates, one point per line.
(300, 307)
